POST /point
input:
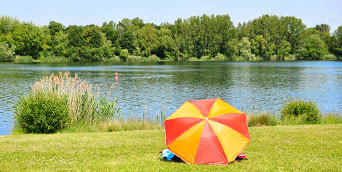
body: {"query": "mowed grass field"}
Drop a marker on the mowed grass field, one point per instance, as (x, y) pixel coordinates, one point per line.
(278, 148)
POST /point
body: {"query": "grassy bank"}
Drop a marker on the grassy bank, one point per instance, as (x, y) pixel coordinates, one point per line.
(114, 59)
(278, 148)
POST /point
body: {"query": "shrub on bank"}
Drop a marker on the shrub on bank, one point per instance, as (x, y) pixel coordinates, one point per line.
(192, 59)
(124, 54)
(301, 111)
(66, 101)
(42, 113)
(23, 59)
(330, 57)
(204, 58)
(219, 57)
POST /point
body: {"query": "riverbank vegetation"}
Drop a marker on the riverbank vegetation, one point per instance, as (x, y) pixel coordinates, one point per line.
(294, 112)
(59, 101)
(198, 38)
(62, 102)
(275, 148)
(69, 104)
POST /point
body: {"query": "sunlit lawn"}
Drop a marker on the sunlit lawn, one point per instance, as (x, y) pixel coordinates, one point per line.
(279, 148)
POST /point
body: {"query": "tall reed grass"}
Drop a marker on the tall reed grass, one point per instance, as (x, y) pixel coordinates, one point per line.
(332, 118)
(262, 119)
(112, 59)
(84, 105)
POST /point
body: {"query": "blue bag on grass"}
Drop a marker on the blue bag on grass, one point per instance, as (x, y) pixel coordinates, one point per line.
(166, 153)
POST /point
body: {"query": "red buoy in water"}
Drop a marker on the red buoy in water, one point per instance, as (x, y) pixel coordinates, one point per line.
(116, 76)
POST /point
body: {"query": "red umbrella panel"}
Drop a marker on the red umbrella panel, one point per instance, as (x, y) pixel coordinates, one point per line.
(207, 132)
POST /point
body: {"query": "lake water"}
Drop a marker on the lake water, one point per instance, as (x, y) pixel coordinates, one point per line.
(249, 86)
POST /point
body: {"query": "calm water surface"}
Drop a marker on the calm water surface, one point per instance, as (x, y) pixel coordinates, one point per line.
(249, 87)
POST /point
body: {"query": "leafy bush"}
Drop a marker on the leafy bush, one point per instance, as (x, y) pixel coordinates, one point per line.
(124, 54)
(330, 57)
(262, 120)
(204, 58)
(306, 111)
(23, 59)
(220, 57)
(193, 59)
(6, 52)
(42, 113)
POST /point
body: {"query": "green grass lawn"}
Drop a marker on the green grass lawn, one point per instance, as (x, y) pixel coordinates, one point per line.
(278, 148)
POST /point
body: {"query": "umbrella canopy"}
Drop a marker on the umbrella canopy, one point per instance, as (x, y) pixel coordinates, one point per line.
(207, 132)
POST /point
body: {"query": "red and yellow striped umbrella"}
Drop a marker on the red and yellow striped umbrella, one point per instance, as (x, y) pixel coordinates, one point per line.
(207, 132)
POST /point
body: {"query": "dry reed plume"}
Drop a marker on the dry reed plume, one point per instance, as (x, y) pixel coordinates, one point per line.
(84, 106)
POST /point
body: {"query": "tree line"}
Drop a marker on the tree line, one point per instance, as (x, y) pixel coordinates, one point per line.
(213, 37)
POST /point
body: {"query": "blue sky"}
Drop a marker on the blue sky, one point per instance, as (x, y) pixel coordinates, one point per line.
(83, 12)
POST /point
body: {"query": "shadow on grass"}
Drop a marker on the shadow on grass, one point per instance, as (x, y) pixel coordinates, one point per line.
(176, 159)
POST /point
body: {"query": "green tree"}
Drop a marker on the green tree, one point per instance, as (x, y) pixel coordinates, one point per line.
(232, 49)
(270, 51)
(267, 26)
(324, 33)
(55, 27)
(245, 50)
(31, 40)
(323, 28)
(75, 38)
(112, 34)
(126, 41)
(337, 42)
(284, 49)
(8, 26)
(6, 52)
(313, 48)
(59, 44)
(292, 29)
(243, 30)
(147, 38)
(93, 36)
(258, 46)
(166, 43)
